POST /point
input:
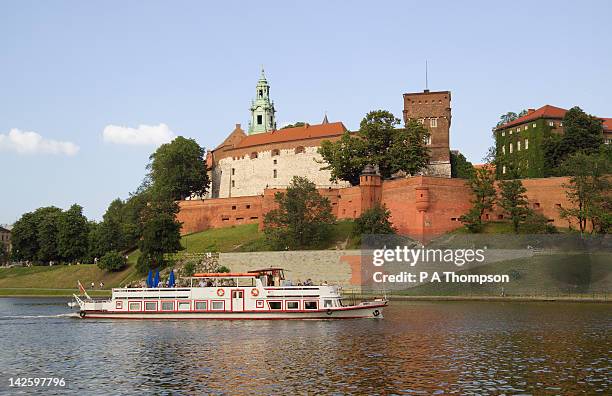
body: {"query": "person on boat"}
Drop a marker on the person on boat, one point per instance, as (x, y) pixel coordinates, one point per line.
(201, 284)
(93, 285)
(101, 285)
(324, 283)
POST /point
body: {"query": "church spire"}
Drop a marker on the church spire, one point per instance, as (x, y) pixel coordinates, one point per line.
(325, 120)
(262, 108)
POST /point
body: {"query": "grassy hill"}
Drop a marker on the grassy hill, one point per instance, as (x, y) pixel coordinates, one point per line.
(62, 279)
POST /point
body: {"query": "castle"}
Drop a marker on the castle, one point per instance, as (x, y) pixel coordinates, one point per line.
(247, 169)
(246, 164)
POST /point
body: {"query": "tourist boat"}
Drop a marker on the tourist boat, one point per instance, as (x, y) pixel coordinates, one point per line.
(261, 294)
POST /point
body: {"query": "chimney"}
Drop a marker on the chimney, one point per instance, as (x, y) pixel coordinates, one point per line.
(529, 111)
(237, 126)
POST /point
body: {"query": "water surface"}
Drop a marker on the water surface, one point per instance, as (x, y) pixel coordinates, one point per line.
(418, 348)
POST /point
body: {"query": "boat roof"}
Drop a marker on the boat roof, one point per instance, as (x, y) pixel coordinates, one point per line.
(224, 275)
(267, 269)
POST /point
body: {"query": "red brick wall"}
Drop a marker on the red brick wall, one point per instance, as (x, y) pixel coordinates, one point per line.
(199, 215)
(421, 207)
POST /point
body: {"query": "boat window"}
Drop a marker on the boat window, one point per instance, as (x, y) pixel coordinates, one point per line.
(150, 306)
(119, 305)
(259, 304)
(167, 306)
(310, 305)
(293, 305)
(200, 305)
(327, 303)
(183, 306)
(276, 305)
(218, 305)
(134, 306)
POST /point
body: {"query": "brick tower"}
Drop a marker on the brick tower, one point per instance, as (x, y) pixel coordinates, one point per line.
(432, 109)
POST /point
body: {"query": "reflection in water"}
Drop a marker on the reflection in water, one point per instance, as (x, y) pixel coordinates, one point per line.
(420, 347)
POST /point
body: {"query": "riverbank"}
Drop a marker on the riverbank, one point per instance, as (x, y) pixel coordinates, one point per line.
(47, 292)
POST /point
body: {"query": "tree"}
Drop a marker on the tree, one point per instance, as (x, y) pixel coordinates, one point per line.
(72, 234)
(178, 170)
(483, 189)
(514, 201)
(460, 167)
(47, 220)
(378, 142)
(112, 262)
(582, 133)
(374, 221)
(345, 158)
(161, 234)
(303, 217)
(4, 256)
(297, 124)
(24, 238)
(589, 190)
(506, 118)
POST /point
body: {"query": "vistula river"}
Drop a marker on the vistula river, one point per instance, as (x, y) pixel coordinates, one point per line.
(418, 348)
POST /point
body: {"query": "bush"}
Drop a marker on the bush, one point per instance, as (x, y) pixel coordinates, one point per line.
(189, 268)
(536, 223)
(147, 262)
(112, 262)
(374, 221)
(223, 269)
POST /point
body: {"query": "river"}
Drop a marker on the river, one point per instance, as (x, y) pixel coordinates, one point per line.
(418, 348)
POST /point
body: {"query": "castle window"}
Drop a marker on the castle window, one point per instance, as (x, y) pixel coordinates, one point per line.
(233, 171)
(510, 148)
(526, 127)
(233, 207)
(275, 162)
(299, 149)
(504, 169)
(561, 124)
(526, 144)
(248, 206)
(536, 205)
(518, 145)
(510, 131)
(261, 93)
(551, 123)
(275, 152)
(254, 155)
(533, 125)
(433, 122)
(428, 140)
(275, 173)
(259, 119)
(504, 150)
(233, 183)
(503, 133)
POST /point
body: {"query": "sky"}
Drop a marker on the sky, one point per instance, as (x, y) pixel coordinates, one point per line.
(88, 90)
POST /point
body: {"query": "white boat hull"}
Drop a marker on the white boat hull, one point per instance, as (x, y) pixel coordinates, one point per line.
(359, 311)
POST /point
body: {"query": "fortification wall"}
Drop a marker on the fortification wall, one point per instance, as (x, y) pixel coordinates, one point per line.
(199, 215)
(337, 267)
(421, 207)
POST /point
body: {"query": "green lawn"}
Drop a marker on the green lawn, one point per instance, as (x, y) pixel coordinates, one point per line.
(247, 238)
(57, 277)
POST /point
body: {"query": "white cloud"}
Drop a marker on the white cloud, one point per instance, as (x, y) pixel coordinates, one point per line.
(143, 135)
(33, 143)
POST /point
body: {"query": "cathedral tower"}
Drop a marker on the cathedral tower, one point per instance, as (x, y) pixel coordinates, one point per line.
(262, 108)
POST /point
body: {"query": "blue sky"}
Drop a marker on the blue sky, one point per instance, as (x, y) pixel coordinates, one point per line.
(70, 69)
